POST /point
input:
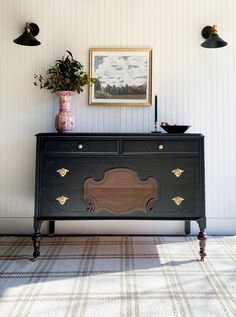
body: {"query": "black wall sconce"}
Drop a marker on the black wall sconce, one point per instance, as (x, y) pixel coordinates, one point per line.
(28, 37)
(212, 38)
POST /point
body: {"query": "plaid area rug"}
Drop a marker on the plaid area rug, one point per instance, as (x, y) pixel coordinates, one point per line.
(118, 276)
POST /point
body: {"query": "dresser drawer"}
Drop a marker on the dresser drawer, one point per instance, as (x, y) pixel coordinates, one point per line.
(66, 182)
(162, 146)
(81, 146)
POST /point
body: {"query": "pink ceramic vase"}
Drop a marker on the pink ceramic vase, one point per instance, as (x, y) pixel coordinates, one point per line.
(64, 120)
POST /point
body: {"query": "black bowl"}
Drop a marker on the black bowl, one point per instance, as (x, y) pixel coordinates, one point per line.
(175, 128)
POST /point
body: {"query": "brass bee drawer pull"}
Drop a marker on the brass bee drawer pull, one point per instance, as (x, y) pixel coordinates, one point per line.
(62, 171)
(161, 147)
(62, 199)
(177, 172)
(80, 146)
(178, 200)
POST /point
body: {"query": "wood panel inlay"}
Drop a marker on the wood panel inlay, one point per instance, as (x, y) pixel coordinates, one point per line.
(120, 192)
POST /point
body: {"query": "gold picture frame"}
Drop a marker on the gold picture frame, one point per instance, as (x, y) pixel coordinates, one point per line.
(123, 76)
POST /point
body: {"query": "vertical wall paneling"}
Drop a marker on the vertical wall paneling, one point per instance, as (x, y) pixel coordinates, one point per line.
(195, 86)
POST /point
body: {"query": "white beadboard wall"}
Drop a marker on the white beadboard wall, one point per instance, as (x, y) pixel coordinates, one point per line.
(196, 86)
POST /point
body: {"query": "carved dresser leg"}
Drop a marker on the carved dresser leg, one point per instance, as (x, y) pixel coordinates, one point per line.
(187, 227)
(37, 237)
(202, 237)
(202, 242)
(51, 228)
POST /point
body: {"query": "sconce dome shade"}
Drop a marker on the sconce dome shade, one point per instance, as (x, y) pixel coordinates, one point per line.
(212, 38)
(28, 36)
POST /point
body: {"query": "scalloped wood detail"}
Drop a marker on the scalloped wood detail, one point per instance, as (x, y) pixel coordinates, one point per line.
(120, 192)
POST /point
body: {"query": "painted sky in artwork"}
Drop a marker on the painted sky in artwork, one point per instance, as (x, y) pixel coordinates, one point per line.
(121, 70)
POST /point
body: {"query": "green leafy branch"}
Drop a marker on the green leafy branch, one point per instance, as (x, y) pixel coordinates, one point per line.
(67, 74)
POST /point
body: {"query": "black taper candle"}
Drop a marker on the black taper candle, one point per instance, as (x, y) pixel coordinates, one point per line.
(156, 108)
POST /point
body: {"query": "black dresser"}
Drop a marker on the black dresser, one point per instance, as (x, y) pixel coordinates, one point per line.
(149, 176)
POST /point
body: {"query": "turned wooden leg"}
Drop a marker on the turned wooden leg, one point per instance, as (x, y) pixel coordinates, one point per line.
(187, 227)
(202, 237)
(37, 237)
(51, 228)
(202, 242)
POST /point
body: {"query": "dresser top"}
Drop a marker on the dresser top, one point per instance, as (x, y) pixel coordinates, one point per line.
(122, 135)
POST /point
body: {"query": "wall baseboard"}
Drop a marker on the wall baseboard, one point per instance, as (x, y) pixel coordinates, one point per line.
(25, 226)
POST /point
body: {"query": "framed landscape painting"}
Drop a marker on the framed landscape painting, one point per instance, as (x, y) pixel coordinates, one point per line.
(122, 76)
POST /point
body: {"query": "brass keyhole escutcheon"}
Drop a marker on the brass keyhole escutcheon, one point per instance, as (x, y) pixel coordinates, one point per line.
(178, 200)
(63, 171)
(177, 171)
(62, 199)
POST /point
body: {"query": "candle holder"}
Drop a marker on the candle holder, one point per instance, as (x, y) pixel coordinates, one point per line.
(156, 126)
